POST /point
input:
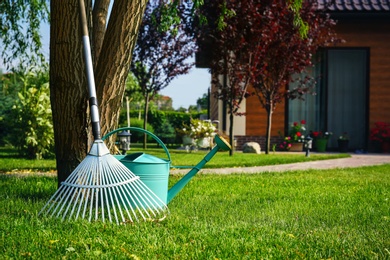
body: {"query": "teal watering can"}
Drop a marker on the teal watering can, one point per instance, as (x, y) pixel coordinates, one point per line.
(154, 171)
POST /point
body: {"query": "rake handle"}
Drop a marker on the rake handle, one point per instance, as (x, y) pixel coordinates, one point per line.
(93, 104)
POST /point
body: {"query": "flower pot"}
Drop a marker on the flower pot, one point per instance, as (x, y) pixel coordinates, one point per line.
(296, 147)
(343, 146)
(187, 140)
(321, 144)
(204, 142)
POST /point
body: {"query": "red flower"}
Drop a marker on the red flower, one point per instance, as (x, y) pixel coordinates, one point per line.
(303, 122)
(295, 123)
(299, 134)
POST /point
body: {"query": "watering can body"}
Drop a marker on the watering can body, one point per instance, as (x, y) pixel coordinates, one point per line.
(154, 171)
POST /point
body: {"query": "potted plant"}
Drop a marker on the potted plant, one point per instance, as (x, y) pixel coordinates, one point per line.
(321, 140)
(203, 132)
(295, 140)
(185, 133)
(343, 142)
(381, 133)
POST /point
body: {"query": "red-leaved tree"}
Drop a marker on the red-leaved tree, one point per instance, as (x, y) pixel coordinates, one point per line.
(161, 54)
(229, 35)
(280, 51)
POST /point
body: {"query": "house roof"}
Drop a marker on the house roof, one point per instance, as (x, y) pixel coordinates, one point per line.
(355, 5)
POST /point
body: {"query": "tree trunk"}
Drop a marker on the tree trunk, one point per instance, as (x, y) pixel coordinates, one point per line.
(146, 110)
(115, 59)
(68, 88)
(231, 134)
(269, 110)
(72, 131)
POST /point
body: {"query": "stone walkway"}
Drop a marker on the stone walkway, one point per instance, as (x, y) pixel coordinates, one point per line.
(356, 160)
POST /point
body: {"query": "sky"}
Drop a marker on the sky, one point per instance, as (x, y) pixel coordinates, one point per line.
(184, 89)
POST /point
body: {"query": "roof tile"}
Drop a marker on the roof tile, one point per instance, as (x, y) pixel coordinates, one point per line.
(355, 5)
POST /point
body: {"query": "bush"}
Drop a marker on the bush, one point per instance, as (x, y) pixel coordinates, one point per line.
(138, 137)
(30, 116)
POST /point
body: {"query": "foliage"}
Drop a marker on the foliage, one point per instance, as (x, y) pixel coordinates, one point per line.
(166, 132)
(160, 56)
(198, 129)
(137, 137)
(9, 88)
(203, 102)
(295, 135)
(314, 214)
(28, 120)
(321, 134)
(227, 30)
(297, 132)
(31, 117)
(380, 132)
(19, 31)
(133, 89)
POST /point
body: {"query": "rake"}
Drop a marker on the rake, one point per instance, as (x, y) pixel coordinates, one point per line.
(101, 187)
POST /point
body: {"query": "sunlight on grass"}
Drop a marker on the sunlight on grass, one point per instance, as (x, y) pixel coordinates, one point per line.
(313, 214)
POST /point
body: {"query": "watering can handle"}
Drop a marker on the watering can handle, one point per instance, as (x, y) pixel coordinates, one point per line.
(143, 131)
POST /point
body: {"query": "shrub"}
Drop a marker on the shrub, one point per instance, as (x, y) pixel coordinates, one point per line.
(31, 120)
(138, 137)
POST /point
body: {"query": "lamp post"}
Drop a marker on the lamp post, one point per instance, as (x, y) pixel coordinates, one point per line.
(308, 145)
(124, 141)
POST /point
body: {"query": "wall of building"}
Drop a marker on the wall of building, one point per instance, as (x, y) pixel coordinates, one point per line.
(373, 33)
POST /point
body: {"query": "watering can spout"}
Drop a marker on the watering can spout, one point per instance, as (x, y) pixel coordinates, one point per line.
(221, 143)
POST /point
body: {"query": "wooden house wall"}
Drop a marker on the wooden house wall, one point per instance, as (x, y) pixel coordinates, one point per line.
(256, 118)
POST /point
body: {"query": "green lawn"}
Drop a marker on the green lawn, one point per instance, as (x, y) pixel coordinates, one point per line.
(11, 162)
(314, 214)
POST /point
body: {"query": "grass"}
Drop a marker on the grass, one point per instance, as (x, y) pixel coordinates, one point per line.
(314, 214)
(11, 162)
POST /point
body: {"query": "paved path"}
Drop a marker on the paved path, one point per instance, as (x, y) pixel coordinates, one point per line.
(356, 160)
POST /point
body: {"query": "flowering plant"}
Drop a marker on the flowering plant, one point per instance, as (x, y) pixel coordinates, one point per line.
(321, 135)
(296, 135)
(202, 128)
(286, 144)
(198, 129)
(297, 132)
(380, 132)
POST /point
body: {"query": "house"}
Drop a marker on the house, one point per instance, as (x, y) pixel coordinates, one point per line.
(353, 90)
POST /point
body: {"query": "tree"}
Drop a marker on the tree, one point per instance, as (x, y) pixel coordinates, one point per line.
(112, 44)
(160, 56)
(203, 102)
(280, 51)
(231, 38)
(22, 43)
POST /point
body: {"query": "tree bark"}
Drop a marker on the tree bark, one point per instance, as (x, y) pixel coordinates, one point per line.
(115, 59)
(269, 110)
(68, 89)
(72, 131)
